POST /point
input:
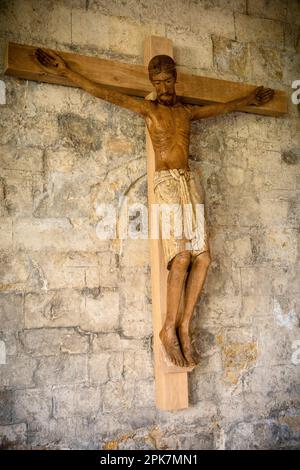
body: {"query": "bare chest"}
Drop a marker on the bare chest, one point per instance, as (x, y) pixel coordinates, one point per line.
(169, 121)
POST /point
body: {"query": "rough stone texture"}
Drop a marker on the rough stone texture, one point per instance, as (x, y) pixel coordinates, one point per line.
(75, 311)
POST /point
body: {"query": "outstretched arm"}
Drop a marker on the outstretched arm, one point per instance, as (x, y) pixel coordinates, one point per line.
(258, 97)
(53, 63)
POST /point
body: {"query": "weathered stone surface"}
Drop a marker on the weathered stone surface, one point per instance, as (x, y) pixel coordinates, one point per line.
(266, 63)
(191, 51)
(293, 13)
(264, 31)
(21, 159)
(54, 308)
(212, 20)
(13, 436)
(50, 342)
(118, 396)
(57, 234)
(6, 233)
(100, 312)
(27, 20)
(274, 10)
(75, 309)
(11, 312)
(6, 406)
(80, 401)
(18, 372)
(33, 405)
(61, 370)
(231, 57)
(98, 368)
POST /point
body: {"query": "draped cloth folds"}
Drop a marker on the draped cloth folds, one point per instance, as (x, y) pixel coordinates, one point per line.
(181, 212)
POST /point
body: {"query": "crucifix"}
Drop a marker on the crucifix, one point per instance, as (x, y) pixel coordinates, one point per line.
(178, 265)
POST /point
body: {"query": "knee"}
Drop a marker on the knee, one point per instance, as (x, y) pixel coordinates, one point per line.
(182, 260)
(203, 259)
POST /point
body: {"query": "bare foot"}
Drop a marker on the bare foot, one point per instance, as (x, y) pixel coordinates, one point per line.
(186, 346)
(172, 347)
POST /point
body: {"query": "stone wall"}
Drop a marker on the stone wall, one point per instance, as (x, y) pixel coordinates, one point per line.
(75, 311)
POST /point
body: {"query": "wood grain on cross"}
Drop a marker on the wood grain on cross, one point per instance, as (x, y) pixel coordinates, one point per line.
(171, 381)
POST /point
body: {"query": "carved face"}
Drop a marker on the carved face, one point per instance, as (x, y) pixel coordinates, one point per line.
(164, 84)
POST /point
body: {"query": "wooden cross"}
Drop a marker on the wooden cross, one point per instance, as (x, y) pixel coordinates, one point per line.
(171, 381)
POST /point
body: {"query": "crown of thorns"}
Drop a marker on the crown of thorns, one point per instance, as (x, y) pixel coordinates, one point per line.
(161, 63)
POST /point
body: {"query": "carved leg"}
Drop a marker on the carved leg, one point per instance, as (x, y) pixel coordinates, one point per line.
(176, 278)
(194, 285)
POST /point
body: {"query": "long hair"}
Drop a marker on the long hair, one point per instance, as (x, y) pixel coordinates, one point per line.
(161, 63)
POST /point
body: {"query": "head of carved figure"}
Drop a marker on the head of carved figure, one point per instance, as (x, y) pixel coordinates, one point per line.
(163, 75)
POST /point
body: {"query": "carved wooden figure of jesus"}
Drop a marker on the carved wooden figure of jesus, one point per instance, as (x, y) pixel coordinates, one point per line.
(169, 122)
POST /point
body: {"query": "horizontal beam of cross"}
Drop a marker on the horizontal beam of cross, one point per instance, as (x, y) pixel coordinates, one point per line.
(133, 79)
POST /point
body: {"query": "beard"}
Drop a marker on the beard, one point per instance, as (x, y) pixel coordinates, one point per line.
(166, 99)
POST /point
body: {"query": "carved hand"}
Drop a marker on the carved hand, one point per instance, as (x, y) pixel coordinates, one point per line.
(261, 95)
(51, 62)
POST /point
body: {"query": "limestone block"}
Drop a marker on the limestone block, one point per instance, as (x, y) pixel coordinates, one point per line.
(135, 253)
(61, 370)
(116, 366)
(57, 308)
(256, 280)
(37, 130)
(291, 34)
(66, 194)
(100, 311)
(212, 21)
(18, 195)
(28, 20)
(98, 368)
(21, 159)
(274, 9)
(118, 396)
(59, 270)
(6, 233)
(291, 68)
(127, 37)
(231, 57)
(180, 12)
(80, 401)
(13, 271)
(255, 306)
(282, 245)
(274, 209)
(11, 312)
(258, 30)
(50, 342)
(6, 406)
(138, 366)
(136, 320)
(57, 234)
(13, 436)
(18, 372)
(34, 405)
(112, 342)
(293, 12)
(275, 343)
(275, 382)
(237, 358)
(266, 63)
(190, 50)
(203, 387)
(144, 393)
(48, 98)
(217, 310)
(90, 28)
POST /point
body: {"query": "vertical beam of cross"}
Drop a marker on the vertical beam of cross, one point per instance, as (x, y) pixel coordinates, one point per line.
(170, 381)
